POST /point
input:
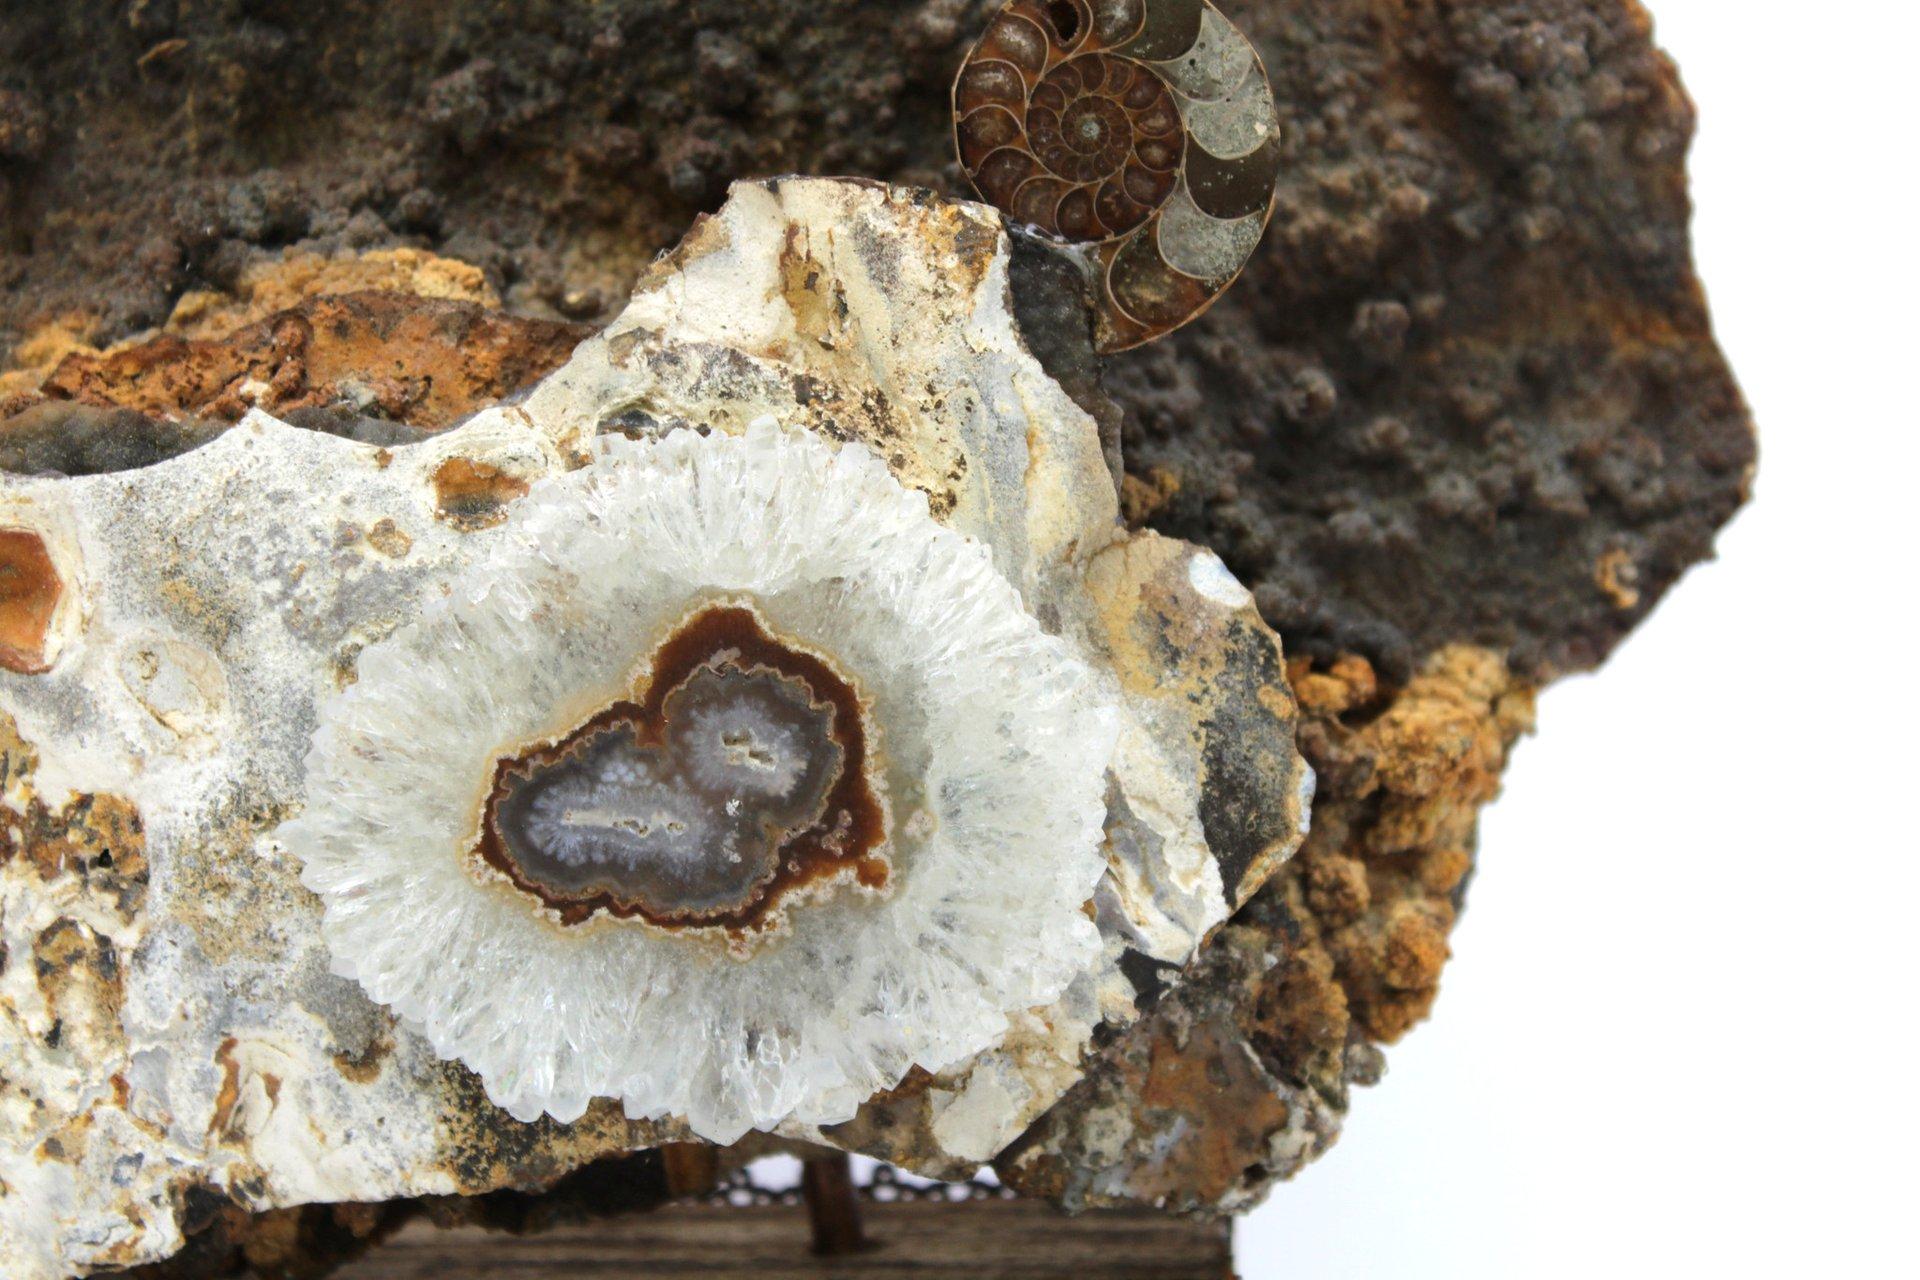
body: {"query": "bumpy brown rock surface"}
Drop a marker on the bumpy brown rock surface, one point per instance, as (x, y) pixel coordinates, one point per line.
(1465, 392)
(1461, 424)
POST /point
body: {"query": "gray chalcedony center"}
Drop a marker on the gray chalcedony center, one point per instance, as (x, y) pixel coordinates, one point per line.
(691, 826)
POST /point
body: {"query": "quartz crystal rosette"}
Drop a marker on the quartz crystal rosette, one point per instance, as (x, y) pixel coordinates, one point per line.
(640, 938)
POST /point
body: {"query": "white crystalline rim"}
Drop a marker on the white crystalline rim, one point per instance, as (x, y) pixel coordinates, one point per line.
(983, 719)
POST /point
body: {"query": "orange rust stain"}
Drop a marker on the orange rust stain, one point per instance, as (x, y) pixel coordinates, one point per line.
(227, 1101)
(30, 590)
(818, 304)
(1145, 496)
(1224, 1110)
(1618, 577)
(426, 362)
(1414, 949)
(389, 539)
(474, 495)
(97, 838)
(229, 1094)
(364, 1067)
(1393, 831)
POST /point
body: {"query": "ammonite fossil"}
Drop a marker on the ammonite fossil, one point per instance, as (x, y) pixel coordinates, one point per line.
(1141, 131)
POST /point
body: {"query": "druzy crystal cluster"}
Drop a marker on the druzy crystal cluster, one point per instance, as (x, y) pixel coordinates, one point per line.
(598, 825)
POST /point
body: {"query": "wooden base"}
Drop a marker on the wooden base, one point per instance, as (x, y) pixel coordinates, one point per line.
(906, 1240)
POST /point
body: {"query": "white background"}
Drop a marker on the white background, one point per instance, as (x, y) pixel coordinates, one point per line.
(1676, 1036)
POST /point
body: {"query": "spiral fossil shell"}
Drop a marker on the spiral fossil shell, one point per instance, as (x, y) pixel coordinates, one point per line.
(1142, 131)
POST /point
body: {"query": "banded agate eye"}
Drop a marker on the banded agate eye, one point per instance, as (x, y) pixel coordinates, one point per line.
(738, 775)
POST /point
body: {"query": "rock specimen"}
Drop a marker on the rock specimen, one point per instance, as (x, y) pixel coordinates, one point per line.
(854, 602)
(1459, 427)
